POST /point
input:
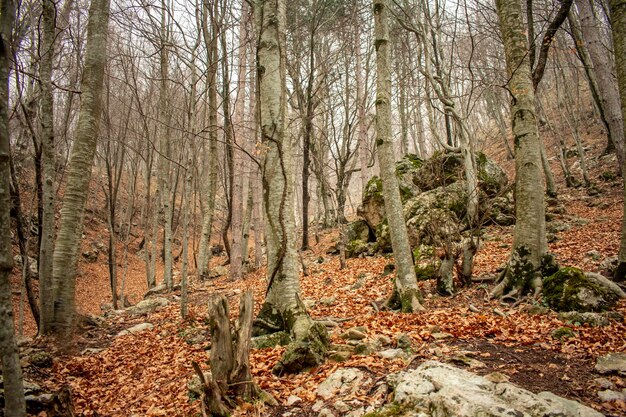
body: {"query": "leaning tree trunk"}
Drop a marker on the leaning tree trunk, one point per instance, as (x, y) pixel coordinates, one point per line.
(529, 240)
(283, 308)
(618, 27)
(11, 369)
(406, 295)
(65, 257)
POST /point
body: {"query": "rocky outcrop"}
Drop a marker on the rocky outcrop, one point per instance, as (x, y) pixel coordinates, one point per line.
(435, 197)
(441, 390)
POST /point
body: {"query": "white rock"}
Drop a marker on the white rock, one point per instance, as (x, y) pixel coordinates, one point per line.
(138, 328)
(293, 399)
(343, 381)
(325, 412)
(148, 306)
(608, 396)
(318, 405)
(612, 363)
(392, 354)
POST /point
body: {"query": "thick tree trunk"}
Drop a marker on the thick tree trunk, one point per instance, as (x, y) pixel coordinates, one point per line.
(65, 257)
(604, 70)
(618, 27)
(406, 295)
(282, 309)
(11, 369)
(529, 241)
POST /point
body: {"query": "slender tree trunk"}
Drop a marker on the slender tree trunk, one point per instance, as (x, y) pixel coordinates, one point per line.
(361, 117)
(65, 257)
(618, 27)
(210, 41)
(283, 308)
(529, 240)
(11, 369)
(604, 71)
(406, 293)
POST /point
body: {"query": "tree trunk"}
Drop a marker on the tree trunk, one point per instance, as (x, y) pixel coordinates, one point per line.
(11, 369)
(529, 240)
(618, 27)
(47, 226)
(282, 309)
(210, 41)
(603, 69)
(406, 294)
(65, 257)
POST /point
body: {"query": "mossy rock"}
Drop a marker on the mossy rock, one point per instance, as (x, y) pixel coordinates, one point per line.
(305, 352)
(563, 333)
(570, 289)
(383, 238)
(424, 273)
(356, 247)
(358, 229)
(271, 340)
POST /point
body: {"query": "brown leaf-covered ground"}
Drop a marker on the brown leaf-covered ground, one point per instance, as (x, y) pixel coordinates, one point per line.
(146, 374)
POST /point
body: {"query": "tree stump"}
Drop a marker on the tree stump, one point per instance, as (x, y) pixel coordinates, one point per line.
(231, 378)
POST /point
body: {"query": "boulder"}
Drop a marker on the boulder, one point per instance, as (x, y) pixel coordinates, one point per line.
(218, 271)
(435, 389)
(570, 289)
(358, 230)
(578, 319)
(148, 306)
(138, 328)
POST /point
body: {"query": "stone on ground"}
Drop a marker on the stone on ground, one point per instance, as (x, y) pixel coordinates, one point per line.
(612, 363)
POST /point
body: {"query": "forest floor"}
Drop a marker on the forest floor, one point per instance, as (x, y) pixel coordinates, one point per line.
(146, 373)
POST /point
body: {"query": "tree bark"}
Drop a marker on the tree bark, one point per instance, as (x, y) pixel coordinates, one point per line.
(406, 293)
(603, 67)
(282, 309)
(618, 28)
(65, 257)
(11, 369)
(529, 240)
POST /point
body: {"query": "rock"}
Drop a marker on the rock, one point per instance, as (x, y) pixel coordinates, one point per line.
(466, 360)
(608, 395)
(608, 266)
(318, 405)
(353, 334)
(383, 340)
(148, 306)
(91, 351)
(403, 341)
(341, 406)
(292, 400)
(138, 328)
(356, 247)
(358, 230)
(344, 381)
(218, 271)
(159, 289)
(194, 386)
(393, 354)
(328, 301)
(441, 335)
(340, 356)
(603, 383)
(41, 359)
(497, 377)
(441, 390)
(592, 319)
(535, 309)
(570, 289)
(612, 363)
(91, 256)
(271, 340)
(325, 412)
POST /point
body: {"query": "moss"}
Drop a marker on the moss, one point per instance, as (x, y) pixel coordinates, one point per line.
(423, 273)
(608, 176)
(305, 352)
(392, 410)
(563, 333)
(521, 270)
(565, 291)
(356, 247)
(271, 340)
(407, 299)
(268, 321)
(374, 189)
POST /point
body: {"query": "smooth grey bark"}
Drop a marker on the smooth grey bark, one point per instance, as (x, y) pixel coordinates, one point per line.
(283, 308)
(67, 246)
(406, 295)
(604, 69)
(529, 239)
(46, 243)
(11, 369)
(210, 41)
(618, 28)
